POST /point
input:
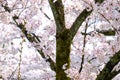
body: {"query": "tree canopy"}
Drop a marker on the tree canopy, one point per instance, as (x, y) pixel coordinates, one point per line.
(60, 39)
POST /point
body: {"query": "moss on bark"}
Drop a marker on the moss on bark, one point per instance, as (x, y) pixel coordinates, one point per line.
(63, 43)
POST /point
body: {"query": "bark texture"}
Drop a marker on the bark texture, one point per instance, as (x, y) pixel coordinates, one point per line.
(63, 43)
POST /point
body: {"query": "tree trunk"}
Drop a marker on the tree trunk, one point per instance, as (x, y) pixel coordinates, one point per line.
(63, 43)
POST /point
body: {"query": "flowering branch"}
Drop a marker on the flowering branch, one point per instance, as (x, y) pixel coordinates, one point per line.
(106, 73)
(77, 23)
(33, 39)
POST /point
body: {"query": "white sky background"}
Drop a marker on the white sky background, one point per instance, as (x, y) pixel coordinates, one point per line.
(32, 63)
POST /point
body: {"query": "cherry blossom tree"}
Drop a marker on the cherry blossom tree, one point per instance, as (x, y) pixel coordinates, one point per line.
(73, 27)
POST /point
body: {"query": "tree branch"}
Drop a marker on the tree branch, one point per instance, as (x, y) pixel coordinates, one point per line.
(82, 62)
(84, 42)
(113, 74)
(105, 73)
(6, 7)
(33, 38)
(109, 32)
(58, 13)
(99, 1)
(108, 22)
(52, 63)
(77, 23)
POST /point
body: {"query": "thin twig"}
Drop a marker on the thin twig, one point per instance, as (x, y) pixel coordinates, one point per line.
(45, 14)
(13, 73)
(82, 62)
(108, 22)
(19, 64)
(24, 8)
(84, 42)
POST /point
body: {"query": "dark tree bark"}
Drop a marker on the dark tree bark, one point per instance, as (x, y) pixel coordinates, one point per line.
(107, 73)
(64, 39)
(63, 43)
